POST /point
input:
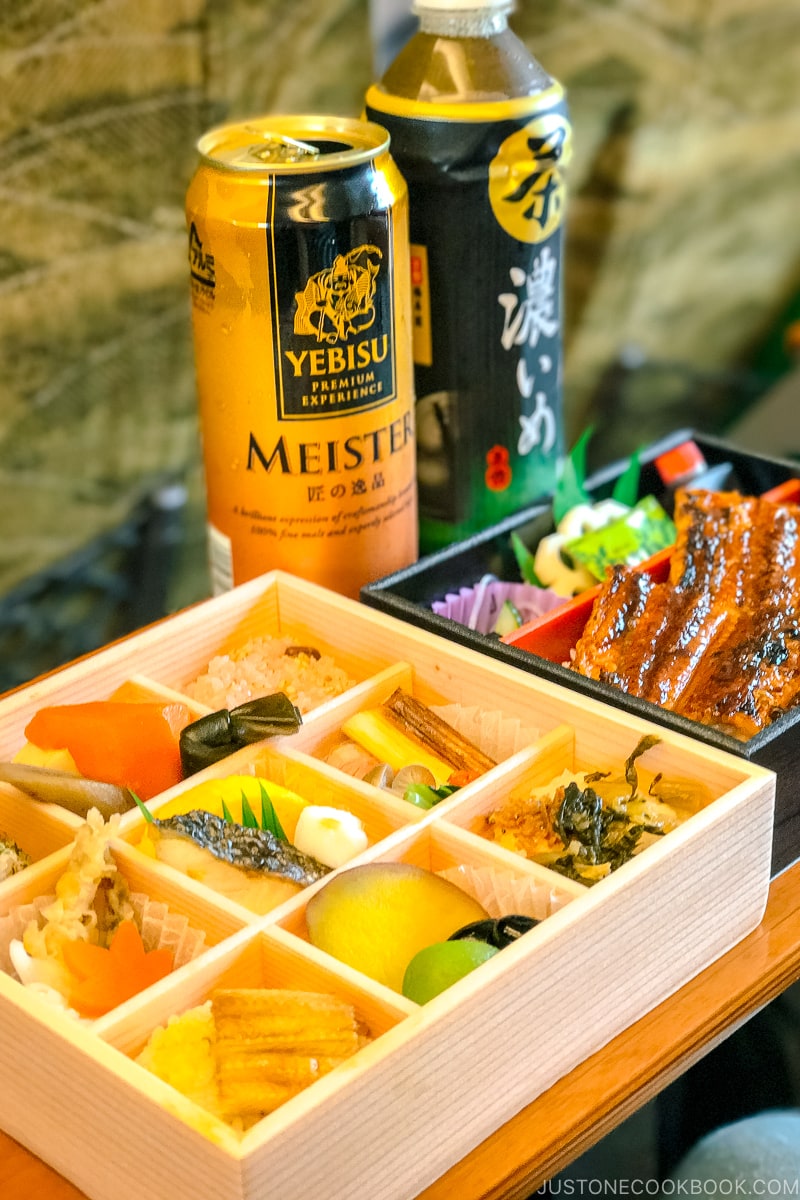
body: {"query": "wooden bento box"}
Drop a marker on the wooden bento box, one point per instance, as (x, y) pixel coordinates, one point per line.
(435, 1079)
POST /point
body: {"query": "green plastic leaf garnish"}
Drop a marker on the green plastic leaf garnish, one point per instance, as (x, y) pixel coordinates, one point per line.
(570, 491)
(269, 818)
(524, 561)
(148, 816)
(248, 816)
(626, 489)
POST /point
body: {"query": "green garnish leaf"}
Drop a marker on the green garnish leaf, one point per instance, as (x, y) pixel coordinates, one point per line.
(248, 816)
(270, 821)
(626, 489)
(524, 561)
(227, 814)
(148, 816)
(570, 491)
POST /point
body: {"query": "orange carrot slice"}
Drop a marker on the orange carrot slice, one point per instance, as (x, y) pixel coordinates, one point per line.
(106, 978)
(132, 745)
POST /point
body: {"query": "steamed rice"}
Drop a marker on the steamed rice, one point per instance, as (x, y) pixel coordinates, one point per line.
(261, 667)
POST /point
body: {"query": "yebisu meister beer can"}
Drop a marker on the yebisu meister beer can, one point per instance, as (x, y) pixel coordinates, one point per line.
(300, 281)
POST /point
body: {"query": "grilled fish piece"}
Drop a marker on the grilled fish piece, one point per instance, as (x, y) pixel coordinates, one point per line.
(615, 614)
(752, 673)
(250, 849)
(719, 642)
(250, 866)
(698, 604)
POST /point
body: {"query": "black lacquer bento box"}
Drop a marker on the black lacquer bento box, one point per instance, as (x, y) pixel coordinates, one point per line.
(542, 647)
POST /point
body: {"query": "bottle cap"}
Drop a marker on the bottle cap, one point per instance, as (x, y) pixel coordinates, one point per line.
(461, 5)
(680, 463)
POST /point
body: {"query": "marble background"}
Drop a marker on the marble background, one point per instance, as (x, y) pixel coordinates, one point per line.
(683, 238)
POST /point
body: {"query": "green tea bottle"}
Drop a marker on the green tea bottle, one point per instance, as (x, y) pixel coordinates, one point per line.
(482, 135)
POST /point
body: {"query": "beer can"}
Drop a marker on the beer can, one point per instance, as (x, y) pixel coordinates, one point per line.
(300, 285)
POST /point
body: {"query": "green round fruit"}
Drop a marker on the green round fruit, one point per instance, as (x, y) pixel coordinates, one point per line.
(438, 966)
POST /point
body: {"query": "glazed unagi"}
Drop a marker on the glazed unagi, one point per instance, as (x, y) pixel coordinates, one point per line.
(719, 641)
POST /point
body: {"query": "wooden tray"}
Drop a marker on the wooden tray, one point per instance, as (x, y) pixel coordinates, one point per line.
(437, 1079)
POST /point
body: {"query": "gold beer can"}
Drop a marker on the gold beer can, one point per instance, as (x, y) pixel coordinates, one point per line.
(300, 283)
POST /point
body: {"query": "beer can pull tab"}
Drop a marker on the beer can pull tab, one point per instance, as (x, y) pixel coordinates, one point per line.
(279, 148)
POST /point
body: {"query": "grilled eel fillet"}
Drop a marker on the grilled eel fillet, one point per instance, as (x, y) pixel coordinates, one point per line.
(271, 1044)
(719, 641)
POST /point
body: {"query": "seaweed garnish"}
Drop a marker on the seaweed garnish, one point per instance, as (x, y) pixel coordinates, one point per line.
(601, 835)
(214, 737)
(643, 745)
(575, 865)
(582, 831)
(582, 817)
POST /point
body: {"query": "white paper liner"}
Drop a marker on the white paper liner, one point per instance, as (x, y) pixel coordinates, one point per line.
(478, 607)
(494, 733)
(502, 893)
(165, 930)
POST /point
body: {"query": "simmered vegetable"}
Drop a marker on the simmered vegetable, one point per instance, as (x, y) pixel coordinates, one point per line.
(134, 746)
(104, 978)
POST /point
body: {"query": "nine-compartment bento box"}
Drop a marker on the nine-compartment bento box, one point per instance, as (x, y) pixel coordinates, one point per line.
(543, 647)
(436, 1078)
